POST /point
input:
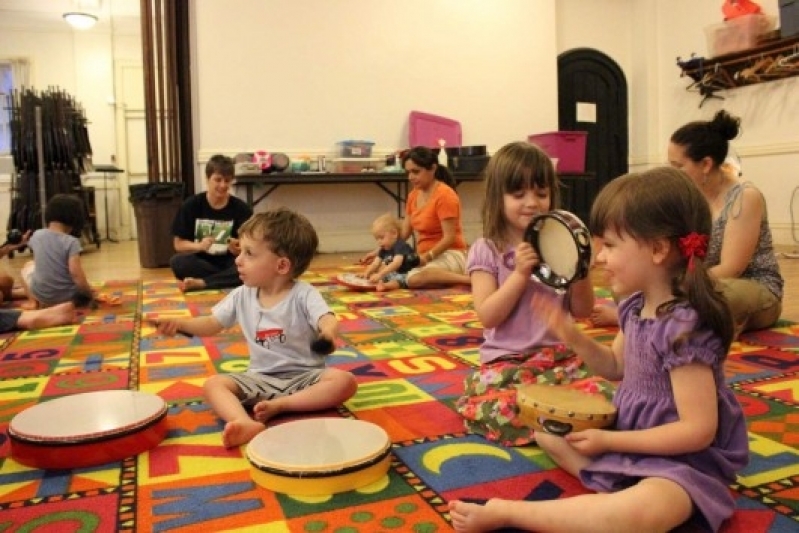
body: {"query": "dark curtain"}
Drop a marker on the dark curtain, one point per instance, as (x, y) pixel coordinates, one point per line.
(167, 91)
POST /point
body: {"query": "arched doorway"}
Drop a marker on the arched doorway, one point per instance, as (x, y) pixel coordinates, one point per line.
(592, 97)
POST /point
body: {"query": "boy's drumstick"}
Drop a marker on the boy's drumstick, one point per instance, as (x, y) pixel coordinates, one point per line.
(323, 346)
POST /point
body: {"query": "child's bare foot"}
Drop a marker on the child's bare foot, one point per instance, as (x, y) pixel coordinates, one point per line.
(264, 410)
(191, 284)
(387, 286)
(473, 517)
(57, 315)
(238, 432)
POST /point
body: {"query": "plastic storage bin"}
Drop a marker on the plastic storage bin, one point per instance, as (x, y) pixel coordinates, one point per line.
(737, 34)
(568, 147)
(155, 205)
(356, 148)
(789, 18)
(425, 129)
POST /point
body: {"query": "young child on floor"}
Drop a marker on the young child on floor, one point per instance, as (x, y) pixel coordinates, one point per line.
(520, 183)
(56, 273)
(680, 434)
(7, 290)
(288, 326)
(395, 257)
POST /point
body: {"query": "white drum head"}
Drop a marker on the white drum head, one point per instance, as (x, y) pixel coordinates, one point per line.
(355, 282)
(556, 244)
(87, 416)
(563, 244)
(318, 445)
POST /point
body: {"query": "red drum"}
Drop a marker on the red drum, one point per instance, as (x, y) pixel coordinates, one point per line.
(355, 282)
(319, 456)
(563, 244)
(88, 429)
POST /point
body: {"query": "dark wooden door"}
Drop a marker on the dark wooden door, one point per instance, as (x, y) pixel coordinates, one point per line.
(592, 97)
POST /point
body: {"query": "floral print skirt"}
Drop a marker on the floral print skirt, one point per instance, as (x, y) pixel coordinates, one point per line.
(489, 405)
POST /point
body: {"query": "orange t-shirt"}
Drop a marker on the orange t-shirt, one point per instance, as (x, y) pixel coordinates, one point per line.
(443, 204)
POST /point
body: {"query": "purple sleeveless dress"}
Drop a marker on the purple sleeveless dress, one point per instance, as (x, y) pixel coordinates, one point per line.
(644, 399)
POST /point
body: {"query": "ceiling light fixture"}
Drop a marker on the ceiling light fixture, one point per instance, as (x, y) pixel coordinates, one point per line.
(80, 21)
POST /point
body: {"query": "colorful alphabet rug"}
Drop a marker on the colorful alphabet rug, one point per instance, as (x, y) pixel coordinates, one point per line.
(410, 352)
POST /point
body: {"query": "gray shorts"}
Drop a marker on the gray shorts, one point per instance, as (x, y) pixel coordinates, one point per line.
(258, 387)
(9, 319)
(401, 278)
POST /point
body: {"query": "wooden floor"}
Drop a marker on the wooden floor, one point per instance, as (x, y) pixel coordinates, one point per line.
(121, 261)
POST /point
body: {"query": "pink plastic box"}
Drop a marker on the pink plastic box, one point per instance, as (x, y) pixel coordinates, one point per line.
(567, 146)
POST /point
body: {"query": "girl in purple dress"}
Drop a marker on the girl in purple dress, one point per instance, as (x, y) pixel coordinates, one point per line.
(680, 435)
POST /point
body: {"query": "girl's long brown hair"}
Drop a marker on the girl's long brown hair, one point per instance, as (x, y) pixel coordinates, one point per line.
(665, 203)
(515, 166)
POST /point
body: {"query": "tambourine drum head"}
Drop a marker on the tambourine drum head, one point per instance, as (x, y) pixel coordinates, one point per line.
(563, 244)
(88, 429)
(555, 244)
(319, 456)
(355, 282)
(559, 410)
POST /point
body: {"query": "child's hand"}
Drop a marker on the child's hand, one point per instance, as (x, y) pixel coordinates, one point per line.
(206, 243)
(589, 442)
(170, 328)
(374, 278)
(367, 258)
(525, 258)
(234, 246)
(323, 345)
(549, 310)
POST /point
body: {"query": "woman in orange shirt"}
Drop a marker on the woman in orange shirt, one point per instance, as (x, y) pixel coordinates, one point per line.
(433, 218)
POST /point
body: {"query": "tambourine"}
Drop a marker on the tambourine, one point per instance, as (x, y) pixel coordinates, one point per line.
(88, 429)
(319, 456)
(563, 244)
(355, 282)
(559, 410)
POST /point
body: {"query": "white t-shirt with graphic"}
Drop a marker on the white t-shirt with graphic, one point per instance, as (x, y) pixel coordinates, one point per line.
(279, 339)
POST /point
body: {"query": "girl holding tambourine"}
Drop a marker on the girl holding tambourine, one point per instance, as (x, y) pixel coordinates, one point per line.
(520, 183)
(680, 435)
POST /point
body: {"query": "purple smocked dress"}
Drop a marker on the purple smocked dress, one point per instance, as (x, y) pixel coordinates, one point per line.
(644, 399)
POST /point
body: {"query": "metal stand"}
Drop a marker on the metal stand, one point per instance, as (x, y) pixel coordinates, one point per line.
(106, 170)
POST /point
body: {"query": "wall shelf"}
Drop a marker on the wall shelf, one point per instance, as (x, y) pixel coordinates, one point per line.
(771, 61)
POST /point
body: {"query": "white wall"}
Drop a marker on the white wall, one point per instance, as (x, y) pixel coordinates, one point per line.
(649, 39)
(301, 76)
(769, 112)
(82, 65)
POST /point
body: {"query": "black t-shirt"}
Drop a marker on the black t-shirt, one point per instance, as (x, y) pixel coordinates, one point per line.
(196, 219)
(409, 257)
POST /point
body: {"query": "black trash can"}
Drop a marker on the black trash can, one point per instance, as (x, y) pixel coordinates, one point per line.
(155, 205)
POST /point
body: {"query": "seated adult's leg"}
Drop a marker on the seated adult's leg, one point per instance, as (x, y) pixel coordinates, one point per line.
(436, 277)
(753, 305)
(447, 269)
(192, 266)
(223, 279)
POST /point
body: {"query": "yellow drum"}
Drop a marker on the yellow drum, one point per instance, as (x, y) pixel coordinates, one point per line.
(559, 410)
(319, 456)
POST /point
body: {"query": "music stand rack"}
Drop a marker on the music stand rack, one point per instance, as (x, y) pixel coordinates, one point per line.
(106, 170)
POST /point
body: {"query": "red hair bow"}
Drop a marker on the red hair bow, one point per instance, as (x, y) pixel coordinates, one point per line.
(693, 245)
